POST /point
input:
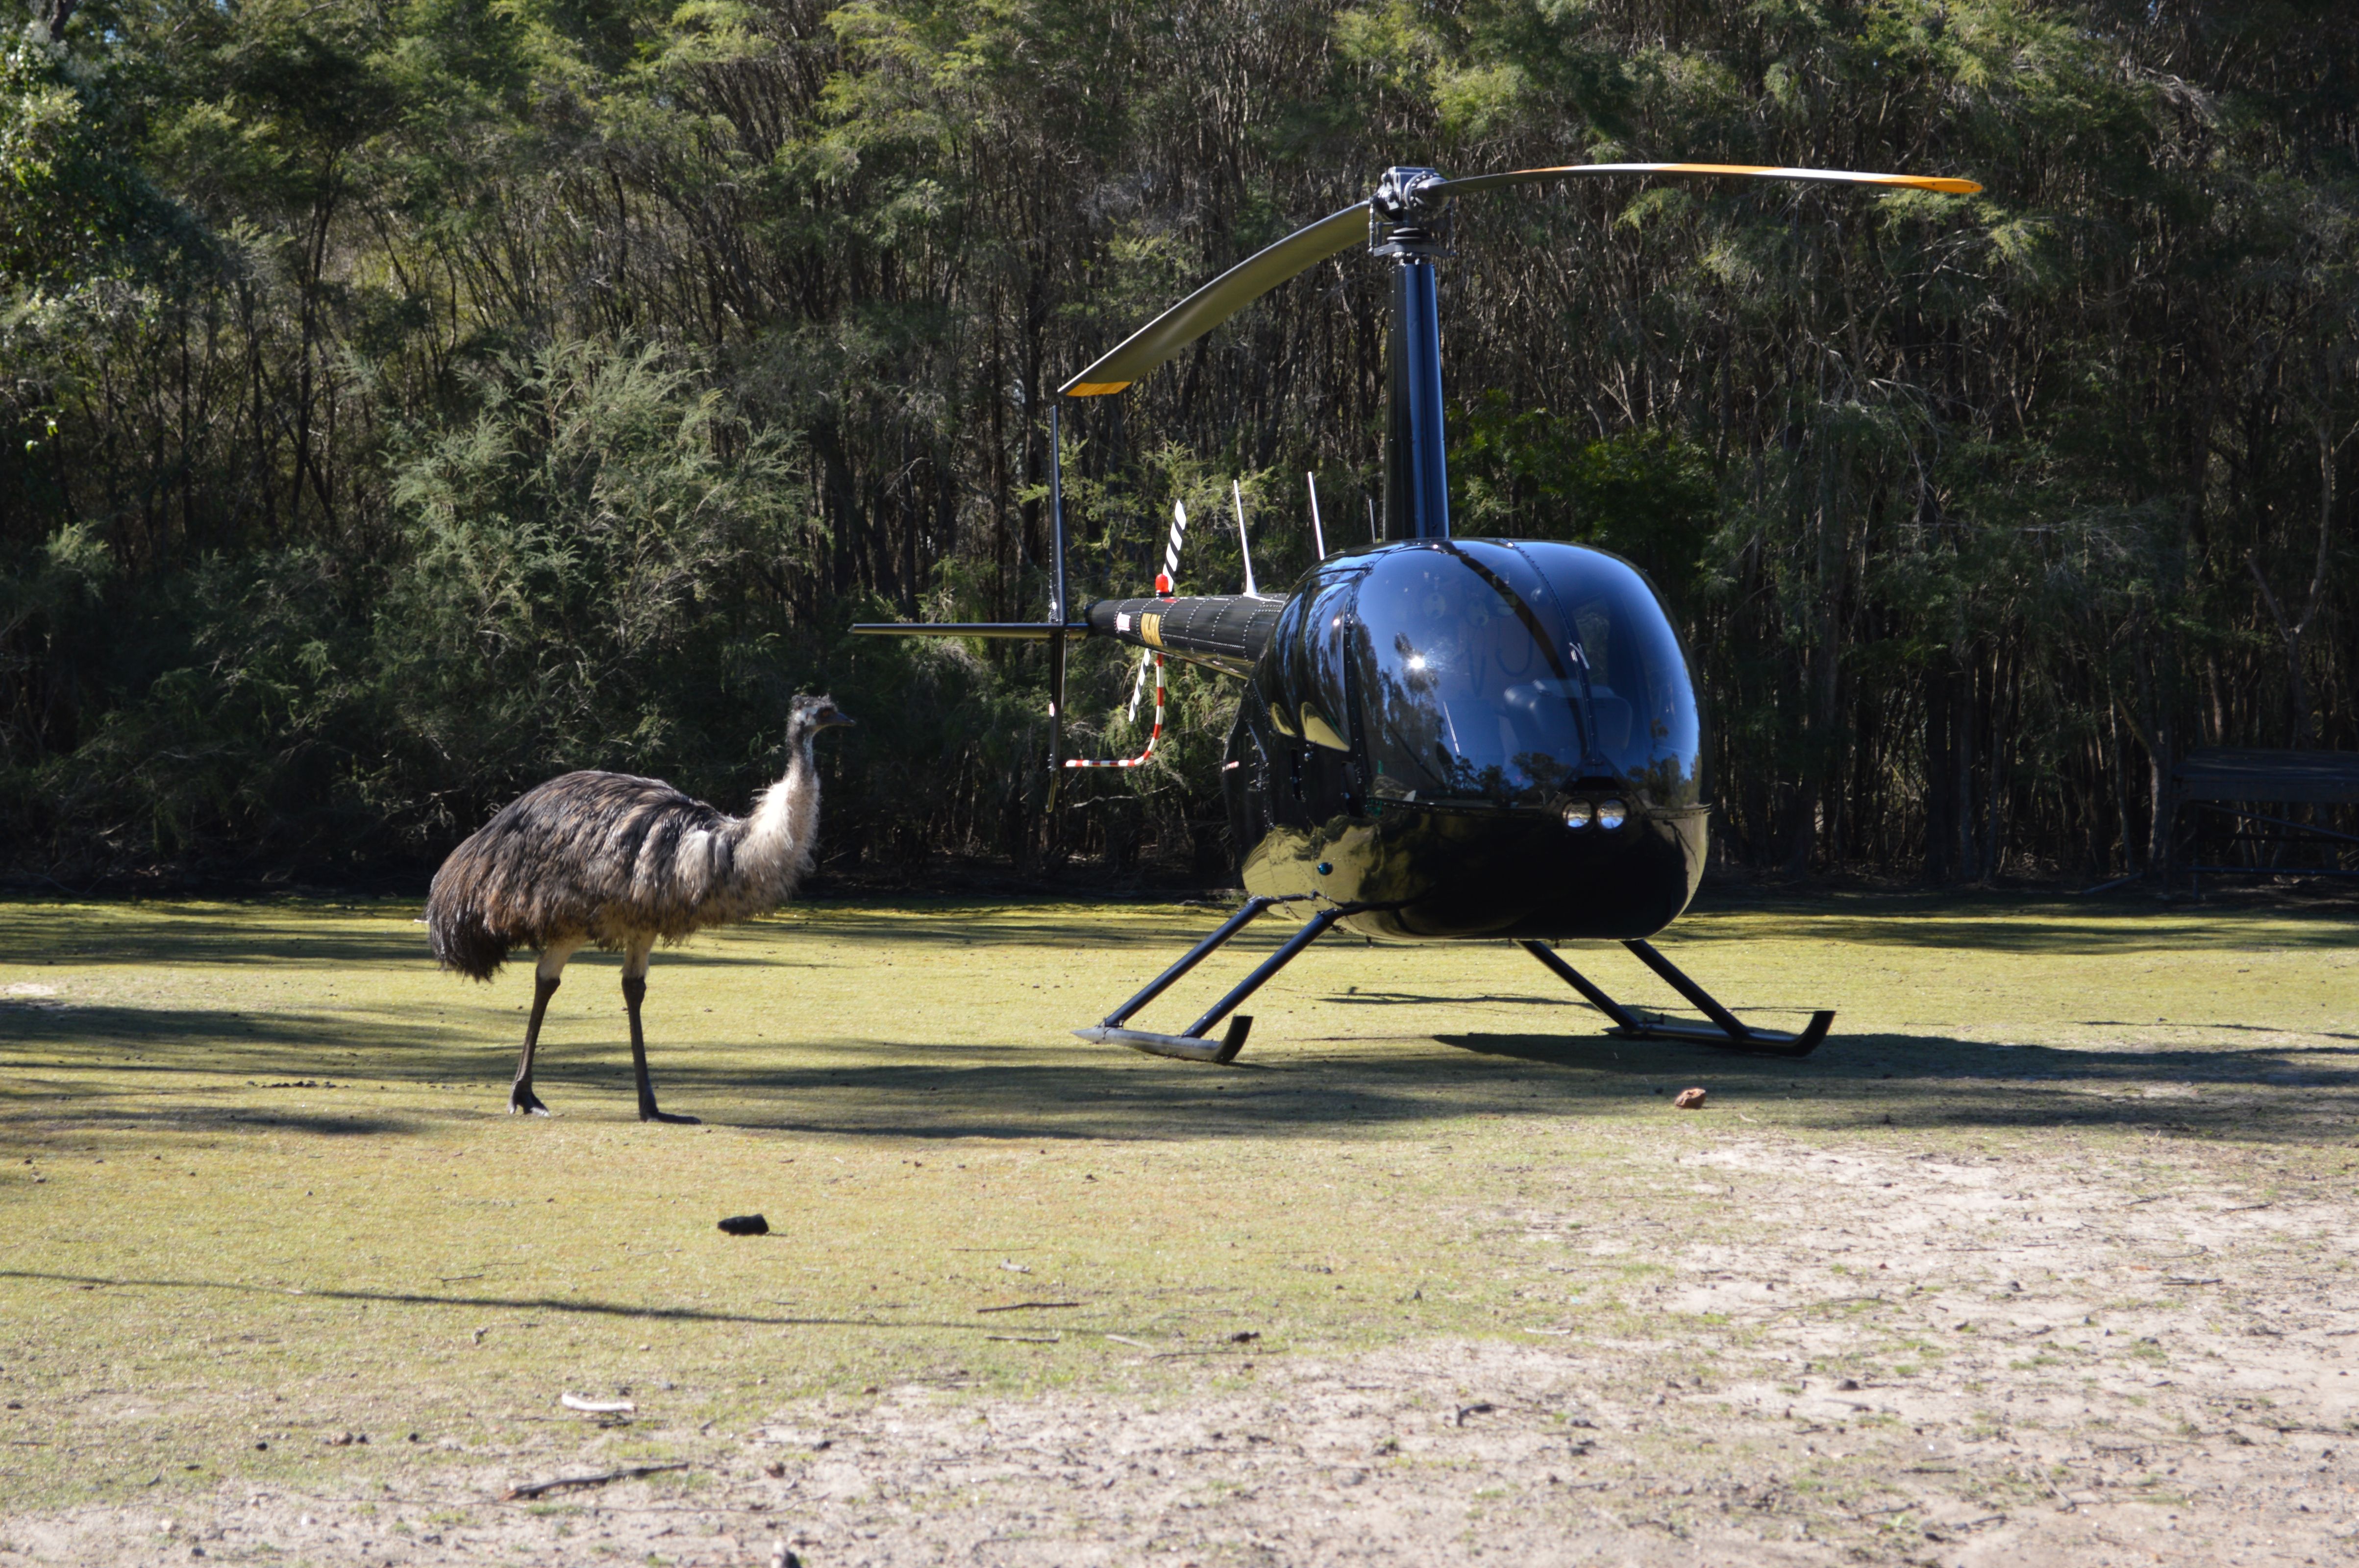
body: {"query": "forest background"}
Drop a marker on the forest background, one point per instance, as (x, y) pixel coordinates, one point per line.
(404, 400)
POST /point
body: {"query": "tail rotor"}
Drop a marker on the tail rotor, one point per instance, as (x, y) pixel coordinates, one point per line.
(1148, 659)
(1166, 586)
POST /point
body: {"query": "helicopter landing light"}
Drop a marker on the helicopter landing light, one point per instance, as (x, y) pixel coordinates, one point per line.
(1576, 815)
(1611, 814)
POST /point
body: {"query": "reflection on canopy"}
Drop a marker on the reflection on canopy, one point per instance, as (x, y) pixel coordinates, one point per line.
(1478, 670)
(1472, 691)
(1641, 702)
(1482, 670)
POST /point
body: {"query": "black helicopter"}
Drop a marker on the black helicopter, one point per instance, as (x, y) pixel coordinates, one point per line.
(1440, 739)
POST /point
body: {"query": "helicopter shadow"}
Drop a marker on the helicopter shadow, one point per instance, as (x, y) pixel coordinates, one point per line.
(2006, 923)
(2302, 1092)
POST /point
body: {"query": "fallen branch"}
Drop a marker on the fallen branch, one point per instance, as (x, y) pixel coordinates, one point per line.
(596, 1407)
(630, 1473)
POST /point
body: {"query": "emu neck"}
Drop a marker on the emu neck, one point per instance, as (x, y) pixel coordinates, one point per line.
(785, 821)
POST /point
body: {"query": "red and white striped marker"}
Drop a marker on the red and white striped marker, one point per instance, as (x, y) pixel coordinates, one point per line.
(1163, 590)
(1153, 735)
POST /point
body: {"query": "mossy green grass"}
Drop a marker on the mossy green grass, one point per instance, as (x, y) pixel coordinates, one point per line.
(259, 1190)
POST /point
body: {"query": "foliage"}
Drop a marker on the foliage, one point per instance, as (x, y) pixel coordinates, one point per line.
(400, 403)
(1647, 495)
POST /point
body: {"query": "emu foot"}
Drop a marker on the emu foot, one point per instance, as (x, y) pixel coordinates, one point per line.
(650, 1113)
(522, 1101)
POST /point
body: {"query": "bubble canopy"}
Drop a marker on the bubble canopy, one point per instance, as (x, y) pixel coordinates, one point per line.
(1482, 670)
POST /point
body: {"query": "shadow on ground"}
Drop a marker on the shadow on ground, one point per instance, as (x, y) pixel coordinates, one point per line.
(166, 1071)
(38, 932)
(1936, 1081)
(578, 1306)
(2015, 922)
(886, 1088)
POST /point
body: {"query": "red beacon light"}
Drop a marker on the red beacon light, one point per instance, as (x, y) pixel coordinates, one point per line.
(1163, 585)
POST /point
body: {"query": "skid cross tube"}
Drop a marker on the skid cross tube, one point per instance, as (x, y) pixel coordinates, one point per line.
(1622, 1016)
(1726, 1030)
(1193, 957)
(1192, 1046)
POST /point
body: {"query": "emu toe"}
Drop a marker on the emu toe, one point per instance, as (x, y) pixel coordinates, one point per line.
(649, 1114)
(522, 1101)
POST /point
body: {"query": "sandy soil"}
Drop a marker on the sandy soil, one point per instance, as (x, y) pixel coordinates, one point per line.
(1873, 1358)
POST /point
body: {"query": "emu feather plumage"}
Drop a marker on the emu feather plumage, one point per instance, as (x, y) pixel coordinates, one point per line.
(621, 862)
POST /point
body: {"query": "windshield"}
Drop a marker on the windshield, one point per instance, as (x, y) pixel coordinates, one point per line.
(1642, 702)
(1505, 672)
(1473, 690)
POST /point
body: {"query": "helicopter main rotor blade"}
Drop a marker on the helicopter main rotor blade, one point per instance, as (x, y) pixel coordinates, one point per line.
(1945, 184)
(1218, 300)
(1255, 275)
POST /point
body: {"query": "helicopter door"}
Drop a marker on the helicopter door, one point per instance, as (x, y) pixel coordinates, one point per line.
(1303, 692)
(1246, 781)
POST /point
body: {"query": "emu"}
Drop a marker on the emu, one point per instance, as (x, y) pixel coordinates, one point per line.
(623, 862)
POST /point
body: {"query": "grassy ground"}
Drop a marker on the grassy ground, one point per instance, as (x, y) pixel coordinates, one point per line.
(258, 1194)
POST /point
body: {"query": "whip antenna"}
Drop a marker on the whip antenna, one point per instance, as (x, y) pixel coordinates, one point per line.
(1056, 607)
(1318, 535)
(1244, 549)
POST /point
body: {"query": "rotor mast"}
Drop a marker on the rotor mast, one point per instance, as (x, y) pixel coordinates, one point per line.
(1417, 469)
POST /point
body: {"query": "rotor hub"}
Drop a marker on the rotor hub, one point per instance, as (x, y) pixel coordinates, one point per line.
(1407, 196)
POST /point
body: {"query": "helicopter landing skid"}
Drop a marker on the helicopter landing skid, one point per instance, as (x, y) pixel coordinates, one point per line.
(1725, 1030)
(1192, 1046)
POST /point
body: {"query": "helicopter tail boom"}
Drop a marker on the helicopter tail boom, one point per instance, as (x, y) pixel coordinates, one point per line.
(1224, 631)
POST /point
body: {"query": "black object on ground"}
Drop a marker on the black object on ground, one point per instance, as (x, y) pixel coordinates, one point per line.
(747, 1225)
(628, 1473)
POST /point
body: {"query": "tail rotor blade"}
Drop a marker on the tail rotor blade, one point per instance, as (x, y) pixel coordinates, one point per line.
(1318, 533)
(1167, 583)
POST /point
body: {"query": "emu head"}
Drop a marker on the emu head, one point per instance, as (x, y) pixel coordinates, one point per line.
(806, 715)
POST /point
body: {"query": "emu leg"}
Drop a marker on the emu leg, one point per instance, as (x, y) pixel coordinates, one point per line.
(635, 991)
(522, 1101)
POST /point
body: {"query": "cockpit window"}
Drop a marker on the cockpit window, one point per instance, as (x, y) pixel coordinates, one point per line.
(1642, 702)
(1474, 669)
(1307, 651)
(1473, 689)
